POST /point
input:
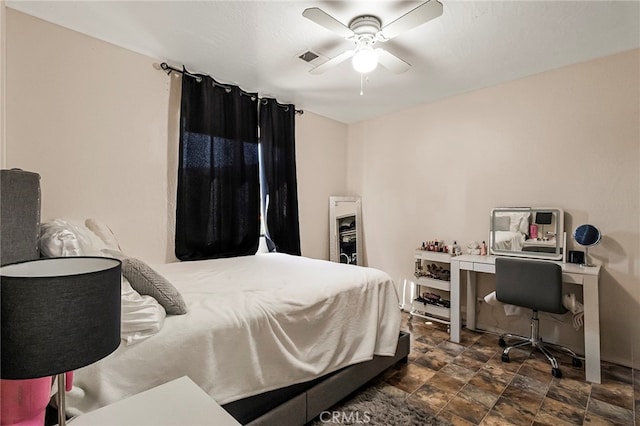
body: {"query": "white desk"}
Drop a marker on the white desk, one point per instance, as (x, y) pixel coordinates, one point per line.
(176, 403)
(587, 277)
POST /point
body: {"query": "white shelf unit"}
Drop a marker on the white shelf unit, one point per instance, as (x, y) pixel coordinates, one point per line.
(427, 311)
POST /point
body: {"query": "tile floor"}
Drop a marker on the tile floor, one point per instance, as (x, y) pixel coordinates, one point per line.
(468, 384)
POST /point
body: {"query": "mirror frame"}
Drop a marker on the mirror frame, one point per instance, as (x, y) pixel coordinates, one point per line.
(559, 251)
(339, 208)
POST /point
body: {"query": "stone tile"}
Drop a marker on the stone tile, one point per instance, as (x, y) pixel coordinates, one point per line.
(592, 419)
(475, 394)
(468, 337)
(471, 411)
(418, 346)
(410, 377)
(494, 418)
(613, 392)
(468, 362)
(546, 419)
(458, 371)
(519, 354)
(453, 420)
(480, 352)
(529, 384)
(561, 412)
(413, 356)
(537, 362)
(512, 365)
(511, 413)
(610, 412)
(430, 398)
(525, 400)
(468, 384)
(435, 359)
(489, 339)
(535, 372)
(446, 382)
(429, 341)
(575, 373)
(618, 373)
(453, 349)
(486, 383)
(570, 392)
(497, 372)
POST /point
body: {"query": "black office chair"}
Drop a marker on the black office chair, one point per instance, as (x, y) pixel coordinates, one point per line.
(535, 285)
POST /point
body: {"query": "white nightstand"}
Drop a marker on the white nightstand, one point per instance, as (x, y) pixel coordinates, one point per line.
(179, 402)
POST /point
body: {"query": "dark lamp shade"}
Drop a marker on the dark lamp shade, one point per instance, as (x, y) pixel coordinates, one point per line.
(544, 218)
(58, 314)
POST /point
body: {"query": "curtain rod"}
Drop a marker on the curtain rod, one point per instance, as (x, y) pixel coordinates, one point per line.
(169, 69)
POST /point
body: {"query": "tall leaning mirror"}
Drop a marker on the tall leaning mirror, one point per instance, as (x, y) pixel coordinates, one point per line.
(535, 232)
(345, 230)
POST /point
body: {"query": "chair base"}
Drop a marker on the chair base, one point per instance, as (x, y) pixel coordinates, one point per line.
(535, 341)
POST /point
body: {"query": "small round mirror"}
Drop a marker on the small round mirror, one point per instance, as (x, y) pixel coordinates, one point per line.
(587, 236)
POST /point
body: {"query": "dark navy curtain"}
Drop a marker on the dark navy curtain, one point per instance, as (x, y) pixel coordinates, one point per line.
(218, 197)
(280, 188)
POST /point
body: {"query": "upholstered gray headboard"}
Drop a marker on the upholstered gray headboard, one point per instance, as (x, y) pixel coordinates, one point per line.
(19, 215)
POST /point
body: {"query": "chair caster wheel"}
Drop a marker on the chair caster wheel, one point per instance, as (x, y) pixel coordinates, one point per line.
(576, 362)
(502, 343)
(505, 357)
(555, 372)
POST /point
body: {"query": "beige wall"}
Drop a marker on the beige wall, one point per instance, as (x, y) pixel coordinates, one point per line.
(91, 118)
(99, 123)
(3, 63)
(321, 162)
(568, 138)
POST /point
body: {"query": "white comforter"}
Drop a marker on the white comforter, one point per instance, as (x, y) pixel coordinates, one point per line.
(254, 324)
(506, 240)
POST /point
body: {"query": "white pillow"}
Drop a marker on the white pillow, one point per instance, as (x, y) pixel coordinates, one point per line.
(104, 232)
(67, 237)
(142, 316)
(519, 222)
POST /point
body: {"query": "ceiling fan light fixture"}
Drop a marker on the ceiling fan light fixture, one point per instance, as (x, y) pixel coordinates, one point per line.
(365, 60)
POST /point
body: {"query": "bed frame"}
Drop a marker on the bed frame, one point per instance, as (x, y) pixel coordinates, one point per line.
(294, 405)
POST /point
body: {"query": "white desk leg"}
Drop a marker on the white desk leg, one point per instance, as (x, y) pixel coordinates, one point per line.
(471, 300)
(591, 328)
(454, 327)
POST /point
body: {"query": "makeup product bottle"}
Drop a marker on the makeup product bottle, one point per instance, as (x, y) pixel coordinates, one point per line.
(483, 249)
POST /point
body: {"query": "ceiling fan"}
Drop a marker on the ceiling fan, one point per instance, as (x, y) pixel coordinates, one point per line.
(365, 31)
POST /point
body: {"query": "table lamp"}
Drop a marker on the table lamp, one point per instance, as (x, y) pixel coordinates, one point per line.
(544, 218)
(57, 315)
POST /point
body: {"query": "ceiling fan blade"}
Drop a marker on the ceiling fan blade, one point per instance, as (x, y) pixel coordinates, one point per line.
(323, 19)
(391, 61)
(333, 62)
(418, 16)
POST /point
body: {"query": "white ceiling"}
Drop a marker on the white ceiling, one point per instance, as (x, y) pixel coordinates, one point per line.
(255, 44)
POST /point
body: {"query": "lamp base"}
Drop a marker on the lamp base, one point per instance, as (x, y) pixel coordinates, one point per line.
(24, 402)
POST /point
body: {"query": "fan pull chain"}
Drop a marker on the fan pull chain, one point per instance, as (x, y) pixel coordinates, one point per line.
(361, 84)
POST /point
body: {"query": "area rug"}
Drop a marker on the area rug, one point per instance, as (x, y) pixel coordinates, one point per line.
(377, 406)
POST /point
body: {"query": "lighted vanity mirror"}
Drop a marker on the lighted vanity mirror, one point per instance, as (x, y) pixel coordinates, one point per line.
(536, 232)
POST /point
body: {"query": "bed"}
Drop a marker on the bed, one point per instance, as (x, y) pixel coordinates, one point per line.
(509, 229)
(507, 240)
(273, 338)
